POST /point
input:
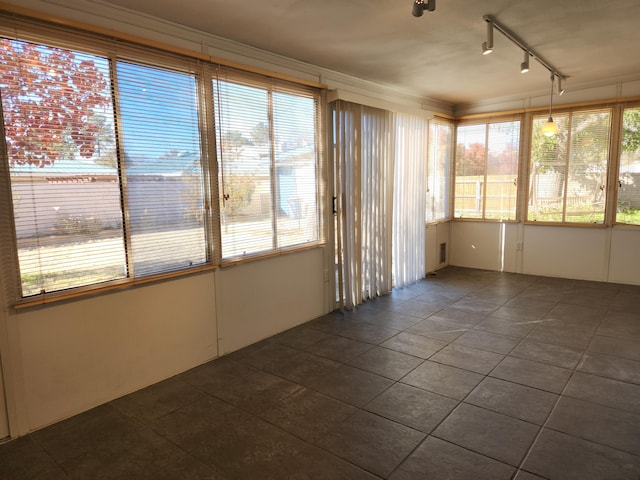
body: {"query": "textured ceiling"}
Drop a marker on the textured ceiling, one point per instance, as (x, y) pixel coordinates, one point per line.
(437, 55)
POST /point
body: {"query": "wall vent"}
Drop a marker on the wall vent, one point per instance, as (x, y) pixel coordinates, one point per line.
(443, 253)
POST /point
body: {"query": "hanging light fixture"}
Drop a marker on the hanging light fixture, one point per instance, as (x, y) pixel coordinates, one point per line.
(550, 128)
(487, 47)
(524, 66)
(560, 89)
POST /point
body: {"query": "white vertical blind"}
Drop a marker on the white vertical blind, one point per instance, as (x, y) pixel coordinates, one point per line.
(376, 207)
(381, 164)
(409, 205)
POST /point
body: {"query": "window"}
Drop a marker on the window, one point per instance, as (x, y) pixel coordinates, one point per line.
(438, 170)
(164, 191)
(568, 172)
(628, 210)
(111, 163)
(268, 156)
(486, 170)
(59, 132)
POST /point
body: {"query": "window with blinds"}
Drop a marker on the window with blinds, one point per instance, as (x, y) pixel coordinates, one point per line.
(439, 170)
(628, 208)
(61, 146)
(568, 171)
(163, 177)
(486, 170)
(111, 162)
(268, 166)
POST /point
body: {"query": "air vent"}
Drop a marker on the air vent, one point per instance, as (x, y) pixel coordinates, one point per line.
(443, 253)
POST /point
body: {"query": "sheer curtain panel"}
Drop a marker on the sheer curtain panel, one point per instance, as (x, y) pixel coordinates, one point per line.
(409, 199)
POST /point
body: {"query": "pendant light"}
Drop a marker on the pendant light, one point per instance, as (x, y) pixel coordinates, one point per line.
(550, 128)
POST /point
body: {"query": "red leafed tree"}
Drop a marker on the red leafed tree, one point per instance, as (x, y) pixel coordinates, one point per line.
(50, 97)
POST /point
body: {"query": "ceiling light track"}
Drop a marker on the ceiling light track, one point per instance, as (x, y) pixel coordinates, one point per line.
(487, 47)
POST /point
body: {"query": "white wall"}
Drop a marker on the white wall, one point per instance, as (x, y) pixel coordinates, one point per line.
(71, 356)
(258, 299)
(598, 254)
(624, 256)
(75, 355)
(436, 234)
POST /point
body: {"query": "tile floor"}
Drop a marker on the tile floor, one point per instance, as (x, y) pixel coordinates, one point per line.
(466, 375)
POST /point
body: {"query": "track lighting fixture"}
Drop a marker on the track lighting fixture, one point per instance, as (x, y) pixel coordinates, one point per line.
(550, 128)
(524, 66)
(487, 47)
(419, 6)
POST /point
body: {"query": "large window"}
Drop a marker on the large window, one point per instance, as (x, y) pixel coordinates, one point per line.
(109, 167)
(268, 156)
(628, 210)
(439, 170)
(568, 171)
(486, 170)
(59, 132)
(162, 167)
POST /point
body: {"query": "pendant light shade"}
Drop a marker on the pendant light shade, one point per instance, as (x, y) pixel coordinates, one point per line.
(550, 128)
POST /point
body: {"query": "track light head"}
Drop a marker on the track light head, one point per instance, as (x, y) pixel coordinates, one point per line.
(487, 47)
(560, 89)
(419, 6)
(524, 66)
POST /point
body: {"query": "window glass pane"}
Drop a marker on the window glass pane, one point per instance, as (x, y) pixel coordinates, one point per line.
(59, 132)
(547, 173)
(470, 171)
(568, 171)
(162, 164)
(587, 180)
(244, 155)
(502, 170)
(629, 175)
(295, 168)
(438, 171)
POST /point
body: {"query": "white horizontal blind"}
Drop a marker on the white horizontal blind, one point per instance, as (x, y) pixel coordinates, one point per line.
(158, 112)
(628, 209)
(59, 130)
(568, 171)
(295, 123)
(267, 146)
(439, 170)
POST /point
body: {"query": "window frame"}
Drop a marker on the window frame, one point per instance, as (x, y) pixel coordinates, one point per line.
(611, 165)
(615, 178)
(450, 178)
(487, 121)
(45, 32)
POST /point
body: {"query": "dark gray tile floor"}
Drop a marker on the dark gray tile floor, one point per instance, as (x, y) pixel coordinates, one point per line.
(468, 374)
